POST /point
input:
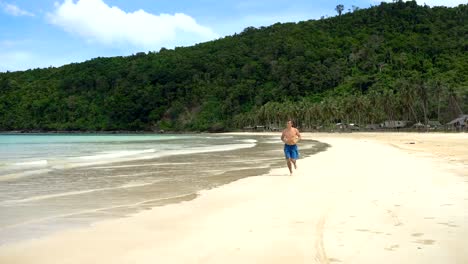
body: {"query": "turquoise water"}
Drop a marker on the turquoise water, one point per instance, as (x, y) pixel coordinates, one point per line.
(54, 182)
(23, 155)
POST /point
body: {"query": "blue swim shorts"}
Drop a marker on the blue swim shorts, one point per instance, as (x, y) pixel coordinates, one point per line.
(291, 152)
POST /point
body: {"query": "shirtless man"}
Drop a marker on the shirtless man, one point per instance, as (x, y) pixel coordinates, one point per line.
(290, 137)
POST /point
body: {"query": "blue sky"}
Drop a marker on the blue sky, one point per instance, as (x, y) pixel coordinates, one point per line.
(43, 33)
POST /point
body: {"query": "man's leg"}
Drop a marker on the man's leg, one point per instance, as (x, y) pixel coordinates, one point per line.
(288, 161)
(294, 156)
(294, 162)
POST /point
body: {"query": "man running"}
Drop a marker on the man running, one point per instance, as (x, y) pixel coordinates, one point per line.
(290, 137)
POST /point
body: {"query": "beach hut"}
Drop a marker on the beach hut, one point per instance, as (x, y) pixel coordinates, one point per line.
(394, 124)
(259, 128)
(254, 128)
(433, 124)
(353, 126)
(340, 126)
(272, 127)
(419, 126)
(460, 122)
(248, 128)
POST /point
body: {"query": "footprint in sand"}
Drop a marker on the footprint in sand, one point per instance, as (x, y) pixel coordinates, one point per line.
(425, 241)
(448, 224)
(392, 247)
(363, 230)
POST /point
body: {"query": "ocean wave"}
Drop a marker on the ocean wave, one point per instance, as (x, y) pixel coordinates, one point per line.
(248, 140)
(19, 175)
(114, 154)
(278, 141)
(218, 148)
(31, 163)
(218, 137)
(150, 155)
(111, 157)
(17, 170)
(123, 156)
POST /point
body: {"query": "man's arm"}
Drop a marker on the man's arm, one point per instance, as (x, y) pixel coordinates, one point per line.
(298, 134)
(282, 136)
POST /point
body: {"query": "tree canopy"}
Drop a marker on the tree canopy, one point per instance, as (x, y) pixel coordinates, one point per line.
(394, 61)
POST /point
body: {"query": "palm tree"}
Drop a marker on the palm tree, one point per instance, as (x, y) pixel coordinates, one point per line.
(339, 8)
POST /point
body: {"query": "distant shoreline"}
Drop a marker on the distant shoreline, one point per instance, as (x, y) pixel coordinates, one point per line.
(338, 131)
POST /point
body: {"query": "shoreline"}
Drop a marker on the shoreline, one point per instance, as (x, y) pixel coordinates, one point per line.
(361, 201)
(331, 131)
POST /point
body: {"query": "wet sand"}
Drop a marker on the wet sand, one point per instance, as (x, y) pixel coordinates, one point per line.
(370, 198)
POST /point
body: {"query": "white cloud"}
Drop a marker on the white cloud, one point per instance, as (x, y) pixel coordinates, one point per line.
(449, 3)
(96, 21)
(15, 10)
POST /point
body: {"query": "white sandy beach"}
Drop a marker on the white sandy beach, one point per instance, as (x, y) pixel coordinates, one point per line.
(370, 198)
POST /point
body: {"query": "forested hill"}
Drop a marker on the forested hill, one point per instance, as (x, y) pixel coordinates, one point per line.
(395, 61)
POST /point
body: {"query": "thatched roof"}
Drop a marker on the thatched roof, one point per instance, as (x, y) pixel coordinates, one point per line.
(461, 119)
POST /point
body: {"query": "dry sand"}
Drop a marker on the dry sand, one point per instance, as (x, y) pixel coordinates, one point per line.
(370, 198)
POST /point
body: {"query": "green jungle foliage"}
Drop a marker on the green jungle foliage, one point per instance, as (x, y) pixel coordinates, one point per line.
(395, 61)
